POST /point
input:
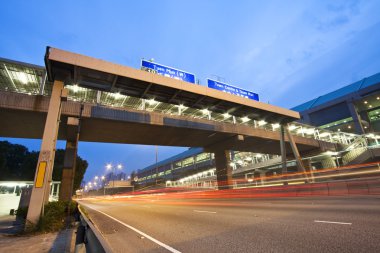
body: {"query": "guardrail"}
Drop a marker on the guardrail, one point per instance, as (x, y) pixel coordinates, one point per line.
(89, 239)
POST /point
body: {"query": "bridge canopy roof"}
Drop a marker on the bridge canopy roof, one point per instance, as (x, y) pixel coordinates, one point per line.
(95, 74)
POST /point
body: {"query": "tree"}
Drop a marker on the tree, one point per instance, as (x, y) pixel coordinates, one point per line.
(17, 163)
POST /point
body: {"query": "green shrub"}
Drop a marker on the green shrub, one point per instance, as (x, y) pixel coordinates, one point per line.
(55, 214)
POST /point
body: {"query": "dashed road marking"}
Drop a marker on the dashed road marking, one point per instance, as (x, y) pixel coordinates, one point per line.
(333, 222)
(200, 211)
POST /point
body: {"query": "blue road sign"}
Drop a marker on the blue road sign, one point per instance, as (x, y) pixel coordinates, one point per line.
(232, 89)
(167, 71)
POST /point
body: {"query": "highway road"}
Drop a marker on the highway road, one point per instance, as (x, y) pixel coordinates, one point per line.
(158, 223)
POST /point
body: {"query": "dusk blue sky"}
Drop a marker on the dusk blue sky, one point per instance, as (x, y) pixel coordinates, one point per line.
(286, 51)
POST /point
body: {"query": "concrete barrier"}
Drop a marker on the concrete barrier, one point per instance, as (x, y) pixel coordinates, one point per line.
(89, 239)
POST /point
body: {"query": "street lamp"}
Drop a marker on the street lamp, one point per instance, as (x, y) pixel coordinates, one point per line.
(111, 167)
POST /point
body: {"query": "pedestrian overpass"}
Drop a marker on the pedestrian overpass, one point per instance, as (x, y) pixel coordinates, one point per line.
(79, 98)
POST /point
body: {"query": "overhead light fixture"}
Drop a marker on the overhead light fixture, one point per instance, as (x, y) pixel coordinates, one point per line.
(75, 88)
(117, 95)
(245, 119)
(370, 106)
(262, 122)
(205, 111)
(152, 101)
(325, 134)
(366, 102)
(378, 98)
(22, 77)
(226, 115)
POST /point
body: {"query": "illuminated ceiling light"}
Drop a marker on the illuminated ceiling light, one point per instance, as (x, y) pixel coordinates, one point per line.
(365, 127)
(345, 121)
(378, 98)
(331, 153)
(338, 129)
(324, 134)
(370, 106)
(22, 77)
(75, 88)
(117, 95)
(226, 115)
(152, 101)
(245, 119)
(349, 127)
(205, 111)
(262, 122)
(250, 180)
(365, 102)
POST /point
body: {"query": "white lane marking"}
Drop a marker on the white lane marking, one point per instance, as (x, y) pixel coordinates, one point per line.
(200, 211)
(333, 222)
(142, 233)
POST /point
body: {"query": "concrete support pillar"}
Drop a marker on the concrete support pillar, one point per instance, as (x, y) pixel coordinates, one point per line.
(262, 177)
(42, 179)
(296, 154)
(283, 150)
(68, 171)
(359, 129)
(223, 169)
(364, 116)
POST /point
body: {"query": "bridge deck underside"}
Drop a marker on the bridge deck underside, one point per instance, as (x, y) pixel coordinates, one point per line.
(111, 126)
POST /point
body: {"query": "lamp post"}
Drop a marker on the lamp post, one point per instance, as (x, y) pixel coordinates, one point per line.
(111, 167)
(104, 186)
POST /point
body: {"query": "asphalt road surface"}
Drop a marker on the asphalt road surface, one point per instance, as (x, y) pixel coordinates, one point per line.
(308, 224)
